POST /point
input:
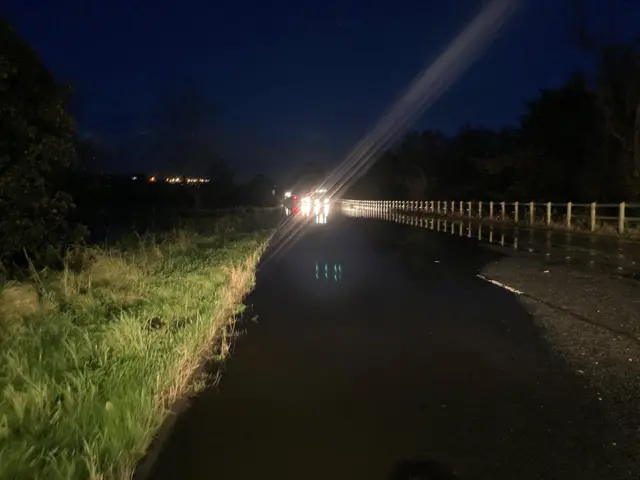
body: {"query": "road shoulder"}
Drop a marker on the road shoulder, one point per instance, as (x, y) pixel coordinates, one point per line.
(592, 320)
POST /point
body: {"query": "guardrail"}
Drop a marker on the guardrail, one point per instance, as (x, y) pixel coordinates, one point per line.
(623, 218)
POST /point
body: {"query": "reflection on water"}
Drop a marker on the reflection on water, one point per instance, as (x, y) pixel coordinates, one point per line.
(556, 246)
(326, 271)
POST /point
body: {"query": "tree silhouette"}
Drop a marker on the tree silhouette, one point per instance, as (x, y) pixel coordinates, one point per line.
(37, 149)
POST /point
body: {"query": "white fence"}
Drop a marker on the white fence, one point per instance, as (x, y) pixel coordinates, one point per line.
(594, 217)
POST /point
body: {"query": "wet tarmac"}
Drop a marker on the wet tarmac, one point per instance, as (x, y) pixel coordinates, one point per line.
(372, 347)
(616, 254)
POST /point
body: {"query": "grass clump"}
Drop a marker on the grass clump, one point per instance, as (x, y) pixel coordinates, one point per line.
(92, 358)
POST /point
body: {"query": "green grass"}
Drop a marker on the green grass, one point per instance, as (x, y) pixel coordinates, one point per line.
(92, 358)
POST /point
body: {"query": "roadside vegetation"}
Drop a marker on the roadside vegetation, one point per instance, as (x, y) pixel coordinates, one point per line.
(92, 356)
(98, 341)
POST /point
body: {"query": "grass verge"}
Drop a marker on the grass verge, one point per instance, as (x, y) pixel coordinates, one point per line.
(92, 358)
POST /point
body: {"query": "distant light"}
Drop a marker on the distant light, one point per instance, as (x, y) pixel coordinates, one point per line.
(152, 179)
(287, 194)
(186, 180)
(134, 178)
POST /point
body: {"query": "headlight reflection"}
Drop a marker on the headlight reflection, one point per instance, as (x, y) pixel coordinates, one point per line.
(325, 271)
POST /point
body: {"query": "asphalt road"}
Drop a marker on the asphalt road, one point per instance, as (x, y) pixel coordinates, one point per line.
(395, 351)
(572, 247)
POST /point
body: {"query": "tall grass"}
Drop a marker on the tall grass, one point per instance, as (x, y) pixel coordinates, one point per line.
(92, 357)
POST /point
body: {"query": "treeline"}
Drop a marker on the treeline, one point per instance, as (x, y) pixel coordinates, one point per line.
(580, 142)
(51, 197)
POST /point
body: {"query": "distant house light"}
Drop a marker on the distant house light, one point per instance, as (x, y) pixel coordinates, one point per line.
(188, 180)
(134, 178)
(152, 179)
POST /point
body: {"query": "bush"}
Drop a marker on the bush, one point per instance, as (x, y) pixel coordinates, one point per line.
(36, 152)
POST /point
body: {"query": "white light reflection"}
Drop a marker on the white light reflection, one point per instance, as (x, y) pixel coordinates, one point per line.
(428, 85)
(327, 272)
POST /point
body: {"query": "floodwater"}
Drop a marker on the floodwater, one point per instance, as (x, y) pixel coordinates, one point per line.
(365, 346)
(617, 255)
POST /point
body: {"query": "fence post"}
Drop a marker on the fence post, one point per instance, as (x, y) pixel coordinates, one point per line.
(592, 217)
(568, 214)
(621, 214)
(453, 206)
(469, 208)
(491, 210)
(438, 206)
(502, 210)
(516, 211)
(480, 209)
(548, 213)
(461, 207)
(445, 207)
(532, 216)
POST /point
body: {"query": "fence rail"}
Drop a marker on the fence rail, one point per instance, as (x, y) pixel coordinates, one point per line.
(623, 218)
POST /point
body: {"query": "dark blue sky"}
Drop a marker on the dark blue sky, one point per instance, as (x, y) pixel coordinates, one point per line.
(294, 81)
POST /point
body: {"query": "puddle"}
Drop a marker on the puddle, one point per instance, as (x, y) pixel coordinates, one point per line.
(557, 247)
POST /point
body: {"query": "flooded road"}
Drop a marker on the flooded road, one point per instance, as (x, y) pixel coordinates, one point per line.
(363, 349)
(618, 255)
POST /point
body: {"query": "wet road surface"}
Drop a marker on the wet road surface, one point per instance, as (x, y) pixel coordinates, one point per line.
(616, 254)
(372, 347)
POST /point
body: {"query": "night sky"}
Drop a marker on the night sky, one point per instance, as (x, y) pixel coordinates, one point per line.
(293, 81)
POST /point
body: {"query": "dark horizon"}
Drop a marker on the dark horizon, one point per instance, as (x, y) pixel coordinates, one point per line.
(294, 84)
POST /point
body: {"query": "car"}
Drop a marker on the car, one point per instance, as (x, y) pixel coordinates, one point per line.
(291, 203)
(315, 203)
(311, 203)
